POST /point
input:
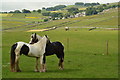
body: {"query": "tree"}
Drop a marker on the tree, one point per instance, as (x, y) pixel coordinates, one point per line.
(79, 3)
(104, 5)
(73, 10)
(39, 11)
(46, 13)
(91, 11)
(67, 15)
(100, 8)
(58, 7)
(50, 9)
(53, 15)
(98, 3)
(87, 4)
(17, 11)
(114, 6)
(34, 10)
(25, 11)
(11, 12)
(43, 8)
(93, 4)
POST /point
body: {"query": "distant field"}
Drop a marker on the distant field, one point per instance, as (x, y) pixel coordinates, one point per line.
(104, 20)
(85, 51)
(6, 15)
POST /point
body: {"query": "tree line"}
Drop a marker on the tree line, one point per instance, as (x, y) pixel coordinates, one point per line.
(91, 10)
(25, 11)
(86, 4)
(95, 10)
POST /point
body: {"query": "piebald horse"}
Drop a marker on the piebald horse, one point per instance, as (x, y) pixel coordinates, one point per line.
(51, 48)
(36, 50)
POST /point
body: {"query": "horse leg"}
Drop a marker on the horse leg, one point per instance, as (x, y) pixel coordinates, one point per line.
(36, 66)
(60, 55)
(61, 60)
(44, 65)
(41, 63)
(17, 69)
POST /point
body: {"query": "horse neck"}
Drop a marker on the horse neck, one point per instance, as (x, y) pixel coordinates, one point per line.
(43, 41)
(39, 37)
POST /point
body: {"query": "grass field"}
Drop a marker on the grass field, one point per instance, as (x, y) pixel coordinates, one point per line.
(83, 59)
(85, 51)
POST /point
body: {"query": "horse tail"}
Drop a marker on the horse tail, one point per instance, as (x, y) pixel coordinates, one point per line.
(12, 57)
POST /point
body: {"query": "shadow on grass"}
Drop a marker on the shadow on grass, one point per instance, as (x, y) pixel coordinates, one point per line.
(63, 71)
(56, 71)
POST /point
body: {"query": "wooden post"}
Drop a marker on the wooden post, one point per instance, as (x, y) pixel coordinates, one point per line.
(107, 47)
(67, 44)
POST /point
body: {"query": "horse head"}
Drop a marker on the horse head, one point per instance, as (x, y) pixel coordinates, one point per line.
(34, 38)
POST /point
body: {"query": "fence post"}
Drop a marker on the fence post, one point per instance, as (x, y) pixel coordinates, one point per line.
(107, 47)
(68, 44)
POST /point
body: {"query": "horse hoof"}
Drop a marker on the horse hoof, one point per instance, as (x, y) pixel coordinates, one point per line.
(61, 68)
(41, 71)
(36, 70)
(44, 70)
(18, 71)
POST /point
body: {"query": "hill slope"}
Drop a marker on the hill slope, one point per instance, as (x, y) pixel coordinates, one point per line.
(106, 19)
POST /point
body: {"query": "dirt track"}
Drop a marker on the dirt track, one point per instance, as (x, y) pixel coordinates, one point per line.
(38, 30)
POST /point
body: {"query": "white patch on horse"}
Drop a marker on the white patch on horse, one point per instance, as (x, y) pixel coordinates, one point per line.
(38, 48)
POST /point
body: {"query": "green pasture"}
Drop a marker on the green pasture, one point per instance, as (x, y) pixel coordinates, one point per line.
(85, 55)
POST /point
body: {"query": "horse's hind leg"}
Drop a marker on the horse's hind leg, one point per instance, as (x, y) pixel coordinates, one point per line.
(17, 63)
(61, 60)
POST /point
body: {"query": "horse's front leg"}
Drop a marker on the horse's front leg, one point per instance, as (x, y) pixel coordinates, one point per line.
(36, 66)
(17, 69)
(42, 64)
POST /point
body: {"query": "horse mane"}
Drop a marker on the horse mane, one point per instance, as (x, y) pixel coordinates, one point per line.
(39, 38)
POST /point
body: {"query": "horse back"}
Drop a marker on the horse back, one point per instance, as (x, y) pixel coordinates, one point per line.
(58, 45)
(53, 48)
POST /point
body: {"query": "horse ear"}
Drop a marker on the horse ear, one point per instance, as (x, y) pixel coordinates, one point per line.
(35, 34)
(45, 35)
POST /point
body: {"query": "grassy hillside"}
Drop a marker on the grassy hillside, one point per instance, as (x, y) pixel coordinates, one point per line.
(104, 20)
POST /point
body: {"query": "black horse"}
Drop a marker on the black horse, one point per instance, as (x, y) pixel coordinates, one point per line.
(51, 48)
